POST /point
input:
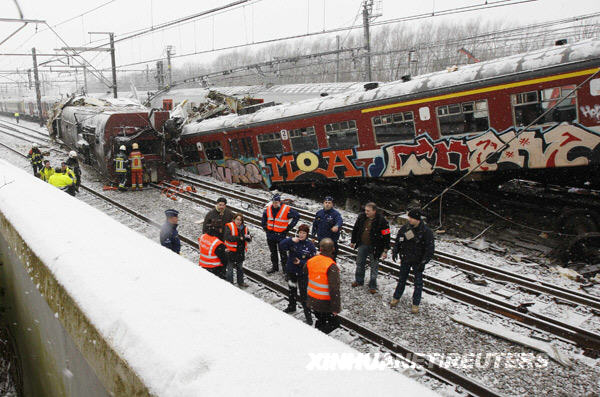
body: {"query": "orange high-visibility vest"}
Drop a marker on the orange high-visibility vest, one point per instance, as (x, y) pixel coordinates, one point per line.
(208, 246)
(318, 283)
(231, 246)
(279, 222)
(135, 158)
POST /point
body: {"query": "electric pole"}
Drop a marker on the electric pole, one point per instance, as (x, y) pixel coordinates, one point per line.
(111, 37)
(367, 7)
(337, 60)
(114, 65)
(170, 51)
(38, 94)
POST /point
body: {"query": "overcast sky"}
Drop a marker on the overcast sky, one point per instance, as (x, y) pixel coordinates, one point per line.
(258, 20)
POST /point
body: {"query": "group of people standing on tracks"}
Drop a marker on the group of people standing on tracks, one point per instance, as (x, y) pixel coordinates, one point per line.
(66, 177)
(312, 274)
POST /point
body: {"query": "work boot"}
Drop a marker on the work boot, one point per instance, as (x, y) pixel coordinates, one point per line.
(272, 270)
(307, 315)
(355, 284)
(373, 290)
(394, 302)
(414, 309)
(290, 309)
(243, 285)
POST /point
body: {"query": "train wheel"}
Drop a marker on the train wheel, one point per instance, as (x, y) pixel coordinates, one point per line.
(584, 253)
(577, 222)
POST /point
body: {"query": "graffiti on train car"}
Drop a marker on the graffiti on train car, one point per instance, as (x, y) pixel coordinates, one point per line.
(313, 165)
(561, 145)
(245, 171)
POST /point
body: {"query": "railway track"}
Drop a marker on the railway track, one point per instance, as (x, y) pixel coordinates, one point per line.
(447, 376)
(590, 341)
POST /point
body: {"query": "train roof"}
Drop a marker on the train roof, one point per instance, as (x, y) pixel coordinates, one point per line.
(277, 93)
(588, 50)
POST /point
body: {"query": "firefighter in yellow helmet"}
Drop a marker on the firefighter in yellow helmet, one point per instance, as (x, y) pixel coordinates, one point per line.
(135, 163)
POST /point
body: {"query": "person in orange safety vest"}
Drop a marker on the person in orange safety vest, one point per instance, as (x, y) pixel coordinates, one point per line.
(236, 239)
(323, 288)
(213, 252)
(277, 220)
(135, 162)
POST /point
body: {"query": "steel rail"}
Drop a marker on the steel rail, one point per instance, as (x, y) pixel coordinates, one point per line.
(566, 332)
(528, 284)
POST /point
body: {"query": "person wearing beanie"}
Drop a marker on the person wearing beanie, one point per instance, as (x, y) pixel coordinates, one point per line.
(169, 237)
(218, 217)
(414, 246)
(328, 224)
(277, 220)
(300, 250)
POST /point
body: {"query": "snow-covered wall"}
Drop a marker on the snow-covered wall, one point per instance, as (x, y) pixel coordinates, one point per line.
(139, 312)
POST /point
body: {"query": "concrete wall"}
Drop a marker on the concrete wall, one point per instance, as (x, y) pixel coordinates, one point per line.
(60, 352)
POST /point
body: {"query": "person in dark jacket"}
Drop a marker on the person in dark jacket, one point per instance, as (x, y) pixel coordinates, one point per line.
(121, 163)
(415, 246)
(300, 250)
(371, 237)
(323, 288)
(218, 217)
(328, 223)
(277, 220)
(236, 239)
(73, 164)
(169, 237)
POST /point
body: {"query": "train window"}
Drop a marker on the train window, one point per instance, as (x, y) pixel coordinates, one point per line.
(304, 139)
(241, 148)
(342, 135)
(528, 106)
(191, 154)
(270, 144)
(213, 150)
(394, 127)
(463, 118)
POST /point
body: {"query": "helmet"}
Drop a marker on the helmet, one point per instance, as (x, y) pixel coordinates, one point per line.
(72, 154)
(35, 146)
(135, 146)
(122, 147)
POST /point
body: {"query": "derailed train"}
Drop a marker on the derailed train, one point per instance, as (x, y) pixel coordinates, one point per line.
(438, 125)
(96, 128)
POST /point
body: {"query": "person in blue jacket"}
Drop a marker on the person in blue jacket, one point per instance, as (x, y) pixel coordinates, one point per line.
(169, 237)
(300, 250)
(328, 224)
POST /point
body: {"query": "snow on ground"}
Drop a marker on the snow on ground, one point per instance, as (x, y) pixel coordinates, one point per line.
(440, 335)
(181, 329)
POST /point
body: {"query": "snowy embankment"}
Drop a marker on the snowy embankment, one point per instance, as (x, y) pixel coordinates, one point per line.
(181, 330)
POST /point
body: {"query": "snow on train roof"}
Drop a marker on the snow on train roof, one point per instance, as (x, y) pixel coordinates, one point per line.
(278, 93)
(581, 51)
(182, 330)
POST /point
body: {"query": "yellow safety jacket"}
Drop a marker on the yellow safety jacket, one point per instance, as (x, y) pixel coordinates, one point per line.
(60, 180)
(46, 173)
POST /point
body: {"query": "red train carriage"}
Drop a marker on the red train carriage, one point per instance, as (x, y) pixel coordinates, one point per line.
(436, 124)
(98, 127)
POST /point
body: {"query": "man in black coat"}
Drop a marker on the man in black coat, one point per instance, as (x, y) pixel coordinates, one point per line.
(371, 237)
(218, 217)
(415, 246)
